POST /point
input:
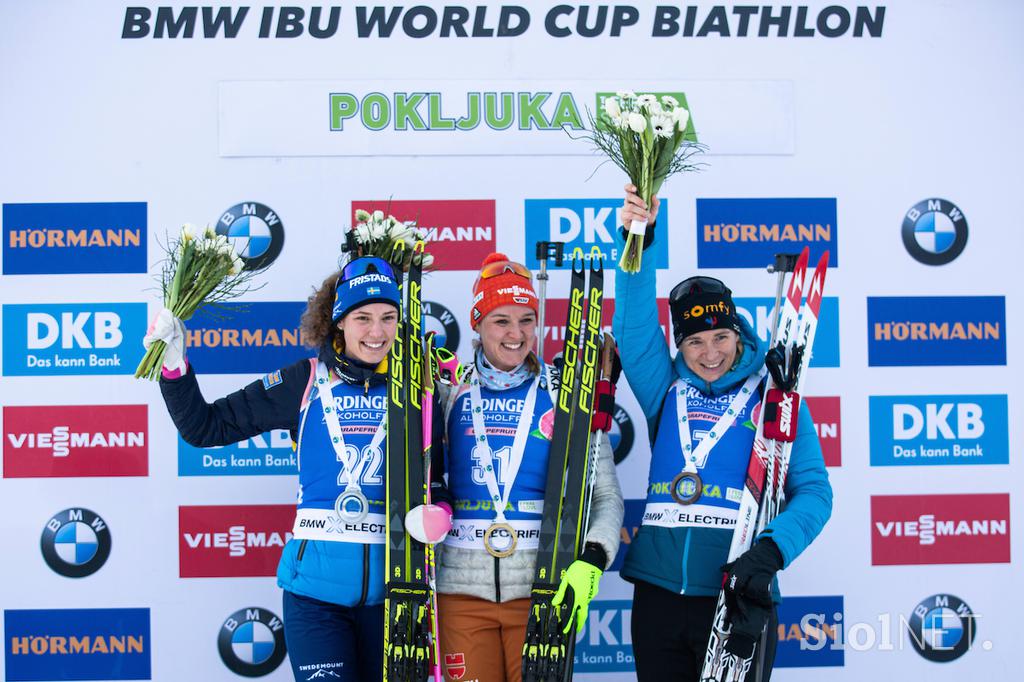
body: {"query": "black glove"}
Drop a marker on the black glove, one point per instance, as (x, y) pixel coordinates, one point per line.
(748, 595)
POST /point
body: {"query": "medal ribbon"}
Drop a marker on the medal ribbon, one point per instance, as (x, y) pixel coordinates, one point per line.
(352, 467)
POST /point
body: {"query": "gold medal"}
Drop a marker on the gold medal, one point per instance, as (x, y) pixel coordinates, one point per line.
(502, 546)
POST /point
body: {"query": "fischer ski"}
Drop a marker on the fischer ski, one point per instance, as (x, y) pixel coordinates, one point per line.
(787, 361)
(547, 650)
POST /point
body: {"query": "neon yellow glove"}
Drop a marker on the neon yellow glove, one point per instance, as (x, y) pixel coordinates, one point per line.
(582, 577)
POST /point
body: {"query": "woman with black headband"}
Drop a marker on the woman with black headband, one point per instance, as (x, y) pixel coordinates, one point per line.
(701, 409)
(334, 407)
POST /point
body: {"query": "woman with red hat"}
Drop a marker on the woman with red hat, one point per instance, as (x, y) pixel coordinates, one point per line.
(498, 426)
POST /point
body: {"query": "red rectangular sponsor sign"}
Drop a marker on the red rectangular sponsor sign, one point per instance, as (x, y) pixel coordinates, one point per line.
(829, 425)
(76, 440)
(558, 308)
(460, 232)
(232, 540)
(940, 529)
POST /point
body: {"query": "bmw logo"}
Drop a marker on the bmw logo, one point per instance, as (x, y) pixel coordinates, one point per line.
(622, 434)
(75, 542)
(441, 321)
(941, 628)
(251, 642)
(934, 231)
(255, 231)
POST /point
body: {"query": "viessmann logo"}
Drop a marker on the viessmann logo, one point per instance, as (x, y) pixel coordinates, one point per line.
(558, 308)
(460, 233)
(940, 529)
(72, 238)
(232, 540)
(76, 440)
(254, 339)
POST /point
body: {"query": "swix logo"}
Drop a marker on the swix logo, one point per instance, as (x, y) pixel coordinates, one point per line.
(460, 233)
(605, 643)
(69, 338)
(556, 313)
(758, 313)
(76, 440)
(940, 529)
(786, 414)
(455, 665)
(810, 632)
(259, 338)
(827, 417)
(584, 223)
(232, 541)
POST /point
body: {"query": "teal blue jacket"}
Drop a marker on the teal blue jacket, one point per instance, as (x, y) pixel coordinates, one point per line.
(687, 560)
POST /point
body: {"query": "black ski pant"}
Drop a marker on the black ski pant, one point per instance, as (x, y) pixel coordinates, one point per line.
(670, 635)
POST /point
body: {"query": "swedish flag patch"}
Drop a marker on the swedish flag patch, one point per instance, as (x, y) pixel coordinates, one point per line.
(271, 380)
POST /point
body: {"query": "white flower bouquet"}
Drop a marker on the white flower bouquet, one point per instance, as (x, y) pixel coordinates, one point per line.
(200, 269)
(646, 136)
(376, 234)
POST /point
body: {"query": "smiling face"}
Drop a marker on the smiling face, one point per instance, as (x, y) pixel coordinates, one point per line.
(710, 354)
(507, 335)
(369, 331)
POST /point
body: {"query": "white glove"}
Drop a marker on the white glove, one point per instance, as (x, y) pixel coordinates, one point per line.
(169, 329)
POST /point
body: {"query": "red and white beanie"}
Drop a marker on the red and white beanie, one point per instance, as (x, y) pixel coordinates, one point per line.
(507, 283)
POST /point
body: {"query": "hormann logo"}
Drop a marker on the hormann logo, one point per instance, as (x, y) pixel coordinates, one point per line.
(58, 238)
(460, 232)
(939, 429)
(940, 529)
(810, 632)
(77, 644)
(253, 339)
(232, 541)
(936, 330)
(76, 440)
(73, 338)
(747, 233)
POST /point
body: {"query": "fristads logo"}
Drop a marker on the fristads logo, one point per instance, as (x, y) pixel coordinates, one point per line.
(460, 232)
(234, 540)
(810, 632)
(939, 429)
(75, 542)
(255, 231)
(940, 529)
(936, 330)
(77, 644)
(556, 313)
(941, 628)
(441, 321)
(747, 233)
(76, 440)
(757, 312)
(255, 338)
(934, 231)
(251, 642)
(268, 454)
(605, 644)
(828, 424)
(584, 223)
(48, 239)
(630, 526)
(73, 338)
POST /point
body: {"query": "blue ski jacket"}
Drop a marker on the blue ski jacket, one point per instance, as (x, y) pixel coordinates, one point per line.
(687, 559)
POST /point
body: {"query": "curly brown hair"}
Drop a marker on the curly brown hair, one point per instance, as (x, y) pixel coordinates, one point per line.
(317, 325)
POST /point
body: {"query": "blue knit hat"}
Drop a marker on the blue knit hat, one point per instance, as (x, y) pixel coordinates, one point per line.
(365, 280)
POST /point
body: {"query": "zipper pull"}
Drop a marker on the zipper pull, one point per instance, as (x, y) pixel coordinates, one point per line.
(366, 386)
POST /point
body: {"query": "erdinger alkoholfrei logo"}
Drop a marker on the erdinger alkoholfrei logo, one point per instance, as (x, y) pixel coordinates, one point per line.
(941, 628)
(75, 542)
(251, 642)
(622, 434)
(934, 231)
(441, 321)
(256, 232)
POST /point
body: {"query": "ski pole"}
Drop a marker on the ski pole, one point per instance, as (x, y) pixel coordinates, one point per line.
(545, 251)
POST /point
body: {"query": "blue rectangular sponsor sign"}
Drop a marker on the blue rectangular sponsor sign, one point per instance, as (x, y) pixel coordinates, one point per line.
(605, 644)
(810, 632)
(73, 338)
(250, 338)
(939, 429)
(630, 524)
(585, 223)
(267, 454)
(933, 331)
(77, 644)
(747, 233)
(757, 312)
(47, 239)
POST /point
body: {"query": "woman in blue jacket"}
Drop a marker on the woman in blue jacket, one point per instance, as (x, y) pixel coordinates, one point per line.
(334, 406)
(703, 398)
